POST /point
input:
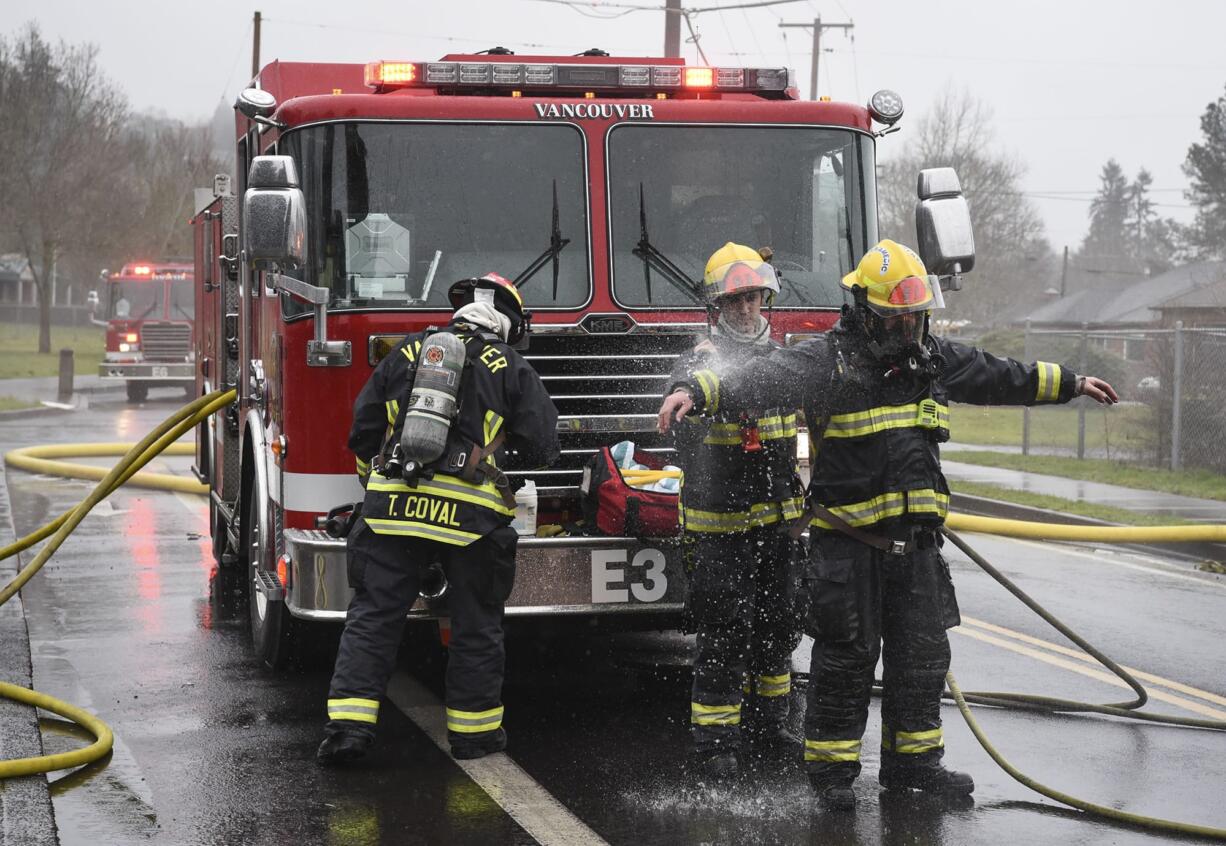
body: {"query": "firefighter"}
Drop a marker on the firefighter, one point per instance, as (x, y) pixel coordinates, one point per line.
(454, 517)
(875, 391)
(739, 488)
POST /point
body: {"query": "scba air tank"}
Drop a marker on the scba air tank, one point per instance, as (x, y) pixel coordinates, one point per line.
(432, 403)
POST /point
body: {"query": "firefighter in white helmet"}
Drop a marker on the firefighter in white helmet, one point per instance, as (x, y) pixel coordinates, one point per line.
(876, 391)
(437, 500)
(739, 488)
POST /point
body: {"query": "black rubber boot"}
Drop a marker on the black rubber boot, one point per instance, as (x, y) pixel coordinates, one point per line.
(777, 737)
(930, 779)
(715, 764)
(834, 795)
(496, 742)
(342, 747)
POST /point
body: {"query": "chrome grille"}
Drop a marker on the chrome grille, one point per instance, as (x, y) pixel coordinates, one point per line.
(165, 341)
(607, 389)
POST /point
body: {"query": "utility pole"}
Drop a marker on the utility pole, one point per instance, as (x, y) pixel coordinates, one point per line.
(255, 46)
(817, 26)
(672, 28)
(1064, 272)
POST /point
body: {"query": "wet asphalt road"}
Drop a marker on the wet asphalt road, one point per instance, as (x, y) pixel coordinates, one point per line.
(132, 621)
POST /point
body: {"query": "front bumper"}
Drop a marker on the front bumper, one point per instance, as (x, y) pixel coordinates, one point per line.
(151, 371)
(554, 576)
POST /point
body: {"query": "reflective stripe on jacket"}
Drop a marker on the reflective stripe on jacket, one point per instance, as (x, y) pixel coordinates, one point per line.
(724, 487)
(878, 455)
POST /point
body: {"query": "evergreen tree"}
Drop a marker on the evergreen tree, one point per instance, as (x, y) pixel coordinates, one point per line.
(1205, 167)
(1108, 238)
(1152, 239)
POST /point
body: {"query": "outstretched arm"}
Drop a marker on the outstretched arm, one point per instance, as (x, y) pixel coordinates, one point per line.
(975, 376)
(787, 377)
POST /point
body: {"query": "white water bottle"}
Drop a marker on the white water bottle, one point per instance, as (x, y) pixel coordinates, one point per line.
(525, 509)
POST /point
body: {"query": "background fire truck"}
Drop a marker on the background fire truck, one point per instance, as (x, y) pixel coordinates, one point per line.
(149, 310)
(599, 184)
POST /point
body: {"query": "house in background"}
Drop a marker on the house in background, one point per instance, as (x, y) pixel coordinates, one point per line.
(16, 281)
(1124, 317)
(1203, 306)
(1131, 306)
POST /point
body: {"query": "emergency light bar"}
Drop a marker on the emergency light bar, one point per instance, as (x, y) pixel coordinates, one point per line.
(386, 76)
(151, 271)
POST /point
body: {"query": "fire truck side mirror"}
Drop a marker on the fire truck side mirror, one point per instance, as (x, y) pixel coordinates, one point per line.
(943, 224)
(274, 214)
(255, 103)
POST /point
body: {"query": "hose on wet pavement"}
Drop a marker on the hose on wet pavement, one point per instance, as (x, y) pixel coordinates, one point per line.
(163, 437)
(1201, 533)
(158, 440)
(44, 459)
(1071, 706)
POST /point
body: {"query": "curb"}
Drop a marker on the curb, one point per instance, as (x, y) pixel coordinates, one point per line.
(985, 507)
(37, 411)
(26, 813)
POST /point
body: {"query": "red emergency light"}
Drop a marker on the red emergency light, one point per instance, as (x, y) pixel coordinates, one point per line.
(142, 270)
(383, 74)
(586, 79)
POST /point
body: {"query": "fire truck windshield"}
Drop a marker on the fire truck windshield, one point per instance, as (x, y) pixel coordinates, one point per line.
(691, 189)
(182, 300)
(399, 211)
(135, 299)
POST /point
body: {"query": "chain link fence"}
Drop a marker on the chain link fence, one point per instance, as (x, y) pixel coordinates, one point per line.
(1172, 387)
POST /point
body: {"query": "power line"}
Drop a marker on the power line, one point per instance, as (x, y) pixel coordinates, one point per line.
(590, 13)
(1096, 190)
(1035, 196)
(817, 26)
(451, 39)
(1003, 60)
(242, 44)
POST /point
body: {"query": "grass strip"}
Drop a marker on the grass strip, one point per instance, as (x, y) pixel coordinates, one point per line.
(1127, 427)
(1067, 506)
(19, 342)
(14, 404)
(1194, 482)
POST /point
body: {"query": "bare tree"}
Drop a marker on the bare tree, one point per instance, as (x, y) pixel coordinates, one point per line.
(173, 159)
(1014, 264)
(64, 148)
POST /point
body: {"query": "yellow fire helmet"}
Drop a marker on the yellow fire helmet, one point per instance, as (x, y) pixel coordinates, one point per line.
(735, 269)
(894, 281)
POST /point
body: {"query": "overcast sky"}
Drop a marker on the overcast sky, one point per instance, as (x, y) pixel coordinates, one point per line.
(1072, 82)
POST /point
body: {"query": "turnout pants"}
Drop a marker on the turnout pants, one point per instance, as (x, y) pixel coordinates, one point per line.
(742, 603)
(385, 572)
(863, 603)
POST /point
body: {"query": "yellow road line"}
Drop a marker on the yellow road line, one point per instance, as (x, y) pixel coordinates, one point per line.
(1081, 656)
(1101, 675)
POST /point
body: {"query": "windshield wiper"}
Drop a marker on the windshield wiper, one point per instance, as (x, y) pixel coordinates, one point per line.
(556, 244)
(655, 260)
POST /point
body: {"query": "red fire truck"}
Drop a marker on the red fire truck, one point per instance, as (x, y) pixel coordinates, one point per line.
(150, 309)
(599, 184)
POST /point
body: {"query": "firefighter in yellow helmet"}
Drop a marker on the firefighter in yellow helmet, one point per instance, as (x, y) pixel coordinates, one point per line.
(876, 391)
(739, 488)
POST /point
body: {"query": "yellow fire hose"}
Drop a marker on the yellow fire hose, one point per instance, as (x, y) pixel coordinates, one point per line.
(43, 459)
(161, 438)
(39, 459)
(1069, 706)
(1208, 533)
